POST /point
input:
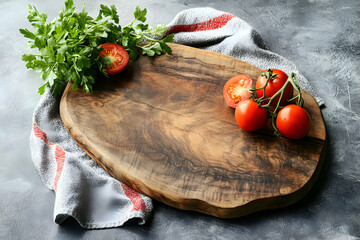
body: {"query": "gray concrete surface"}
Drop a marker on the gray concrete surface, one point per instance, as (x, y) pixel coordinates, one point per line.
(321, 37)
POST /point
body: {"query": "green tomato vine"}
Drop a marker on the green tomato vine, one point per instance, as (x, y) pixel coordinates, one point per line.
(293, 80)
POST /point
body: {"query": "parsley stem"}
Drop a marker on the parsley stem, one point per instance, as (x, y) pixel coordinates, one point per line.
(130, 24)
(150, 39)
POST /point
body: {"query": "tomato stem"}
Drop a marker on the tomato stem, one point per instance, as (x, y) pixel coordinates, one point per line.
(270, 75)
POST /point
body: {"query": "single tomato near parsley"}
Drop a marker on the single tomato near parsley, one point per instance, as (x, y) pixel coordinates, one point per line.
(117, 55)
(293, 122)
(249, 116)
(273, 86)
(236, 89)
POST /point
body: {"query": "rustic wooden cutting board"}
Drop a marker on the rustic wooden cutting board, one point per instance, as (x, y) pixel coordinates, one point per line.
(163, 128)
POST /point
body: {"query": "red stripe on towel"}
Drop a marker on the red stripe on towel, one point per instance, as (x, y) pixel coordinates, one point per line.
(40, 134)
(60, 159)
(59, 153)
(211, 24)
(137, 201)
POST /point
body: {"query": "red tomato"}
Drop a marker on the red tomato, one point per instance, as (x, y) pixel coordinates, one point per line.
(118, 57)
(236, 89)
(273, 86)
(249, 116)
(293, 122)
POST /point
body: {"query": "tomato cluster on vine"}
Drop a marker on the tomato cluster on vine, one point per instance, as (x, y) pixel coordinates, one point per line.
(271, 98)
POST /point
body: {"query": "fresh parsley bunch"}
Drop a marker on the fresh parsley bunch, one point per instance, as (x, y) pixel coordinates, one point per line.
(68, 45)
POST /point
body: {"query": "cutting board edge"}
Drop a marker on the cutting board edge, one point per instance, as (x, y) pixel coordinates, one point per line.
(319, 112)
(67, 122)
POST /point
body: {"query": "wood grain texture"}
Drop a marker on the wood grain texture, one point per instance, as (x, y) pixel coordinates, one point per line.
(162, 127)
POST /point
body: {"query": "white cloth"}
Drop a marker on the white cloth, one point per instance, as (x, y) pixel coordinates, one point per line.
(83, 189)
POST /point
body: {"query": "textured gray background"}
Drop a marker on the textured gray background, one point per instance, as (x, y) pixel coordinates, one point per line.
(321, 37)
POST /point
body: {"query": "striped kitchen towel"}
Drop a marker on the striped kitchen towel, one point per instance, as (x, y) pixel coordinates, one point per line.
(83, 189)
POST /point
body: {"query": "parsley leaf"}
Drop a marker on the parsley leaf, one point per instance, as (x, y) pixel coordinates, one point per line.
(140, 14)
(68, 45)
